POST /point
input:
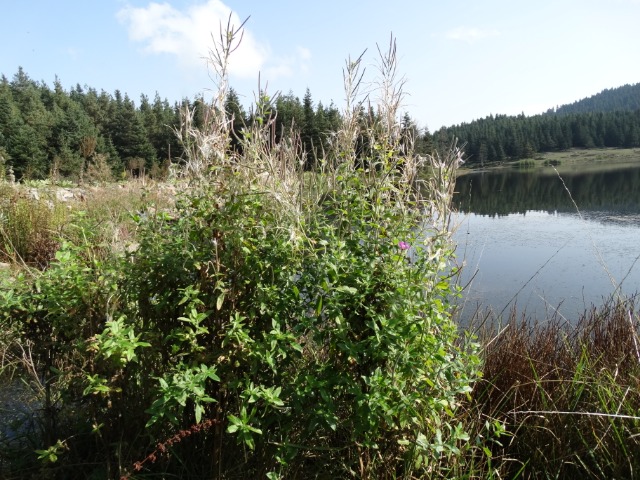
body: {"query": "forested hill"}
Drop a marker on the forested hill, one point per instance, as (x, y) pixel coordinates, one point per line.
(608, 119)
(626, 97)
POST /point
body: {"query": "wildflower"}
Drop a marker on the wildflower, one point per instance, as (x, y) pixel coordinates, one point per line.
(403, 246)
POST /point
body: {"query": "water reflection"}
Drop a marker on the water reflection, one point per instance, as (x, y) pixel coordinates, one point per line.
(614, 193)
(523, 242)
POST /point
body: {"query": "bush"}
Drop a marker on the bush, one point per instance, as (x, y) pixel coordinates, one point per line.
(552, 162)
(525, 164)
(302, 316)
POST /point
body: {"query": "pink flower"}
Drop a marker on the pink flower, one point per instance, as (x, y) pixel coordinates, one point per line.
(403, 246)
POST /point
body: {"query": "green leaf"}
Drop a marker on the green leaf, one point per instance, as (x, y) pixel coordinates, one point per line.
(346, 289)
(220, 301)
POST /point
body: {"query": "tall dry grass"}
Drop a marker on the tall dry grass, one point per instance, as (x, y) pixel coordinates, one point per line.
(566, 395)
(29, 227)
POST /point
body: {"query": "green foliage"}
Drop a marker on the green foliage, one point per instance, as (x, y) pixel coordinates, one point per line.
(118, 340)
(290, 312)
(323, 334)
(306, 331)
(525, 164)
(501, 137)
(552, 163)
(186, 384)
(51, 454)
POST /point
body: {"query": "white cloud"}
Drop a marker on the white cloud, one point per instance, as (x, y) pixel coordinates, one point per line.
(299, 61)
(470, 34)
(188, 35)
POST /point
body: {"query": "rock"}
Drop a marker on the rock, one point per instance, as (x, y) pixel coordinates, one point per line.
(64, 195)
(34, 194)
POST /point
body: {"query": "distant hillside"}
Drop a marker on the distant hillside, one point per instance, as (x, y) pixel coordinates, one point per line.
(609, 119)
(624, 98)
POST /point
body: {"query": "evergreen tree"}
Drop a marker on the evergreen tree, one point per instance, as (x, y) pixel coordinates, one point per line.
(410, 133)
(28, 143)
(10, 119)
(425, 144)
(309, 134)
(163, 138)
(632, 136)
(70, 127)
(128, 134)
(235, 111)
(289, 115)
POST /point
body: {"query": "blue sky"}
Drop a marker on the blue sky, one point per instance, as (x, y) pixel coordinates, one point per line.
(462, 59)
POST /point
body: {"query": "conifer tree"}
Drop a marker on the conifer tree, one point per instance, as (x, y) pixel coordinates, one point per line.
(234, 110)
(309, 134)
(128, 133)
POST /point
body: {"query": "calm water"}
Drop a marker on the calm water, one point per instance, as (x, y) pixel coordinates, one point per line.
(524, 243)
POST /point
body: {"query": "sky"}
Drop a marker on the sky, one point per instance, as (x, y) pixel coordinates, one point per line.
(461, 60)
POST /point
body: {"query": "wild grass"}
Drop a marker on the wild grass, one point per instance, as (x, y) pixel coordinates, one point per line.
(34, 221)
(567, 395)
(524, 164)
(109, 214)
(29, 227)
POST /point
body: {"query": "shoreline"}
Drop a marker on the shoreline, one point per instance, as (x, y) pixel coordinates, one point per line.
(571, 160)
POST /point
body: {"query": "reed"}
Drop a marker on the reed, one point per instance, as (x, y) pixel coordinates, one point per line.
(567, 395)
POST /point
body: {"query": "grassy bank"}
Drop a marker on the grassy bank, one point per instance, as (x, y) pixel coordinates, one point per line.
(583, 160)
(36, 218)
(565, 393)
(590, 157)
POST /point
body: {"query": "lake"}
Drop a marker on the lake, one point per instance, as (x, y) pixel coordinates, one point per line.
(525, 241)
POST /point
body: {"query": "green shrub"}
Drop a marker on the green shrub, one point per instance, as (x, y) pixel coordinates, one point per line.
(525, 164)
(322, 336)
(552, 162)
(296, 322)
